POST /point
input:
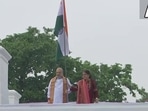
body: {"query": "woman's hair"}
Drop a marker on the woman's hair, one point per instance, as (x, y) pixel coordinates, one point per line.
(87, 72)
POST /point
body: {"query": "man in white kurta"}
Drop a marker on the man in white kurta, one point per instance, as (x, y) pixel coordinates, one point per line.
(58, 89)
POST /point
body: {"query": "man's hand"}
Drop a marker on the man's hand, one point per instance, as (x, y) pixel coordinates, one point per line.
(66, 91)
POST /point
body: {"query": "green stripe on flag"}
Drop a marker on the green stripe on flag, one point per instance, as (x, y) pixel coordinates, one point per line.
(59, 25)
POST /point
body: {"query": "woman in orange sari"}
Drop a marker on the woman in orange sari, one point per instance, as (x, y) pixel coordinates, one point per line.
(86, 89)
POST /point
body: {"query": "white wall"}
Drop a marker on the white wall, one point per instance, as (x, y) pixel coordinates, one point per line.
(4, 58)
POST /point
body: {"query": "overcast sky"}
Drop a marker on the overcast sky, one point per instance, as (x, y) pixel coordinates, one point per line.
(100, 31)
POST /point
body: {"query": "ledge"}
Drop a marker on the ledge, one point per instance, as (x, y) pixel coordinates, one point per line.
(14, 93)
(76, 107)
(14, 97)
(4, 54)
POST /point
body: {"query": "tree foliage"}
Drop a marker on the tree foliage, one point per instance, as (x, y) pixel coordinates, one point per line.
(144, 96)
(33, 64)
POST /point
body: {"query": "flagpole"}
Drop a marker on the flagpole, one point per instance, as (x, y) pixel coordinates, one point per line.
(65, 24)
(61, 31)
(65, 67)
(65, 56)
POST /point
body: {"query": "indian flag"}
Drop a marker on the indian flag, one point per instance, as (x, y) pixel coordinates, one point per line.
(61, 31)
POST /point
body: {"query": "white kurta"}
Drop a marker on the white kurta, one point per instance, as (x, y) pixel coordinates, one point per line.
(58, 90)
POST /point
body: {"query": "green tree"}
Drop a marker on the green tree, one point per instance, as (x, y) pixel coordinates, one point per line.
(144, 95)
(32, 52)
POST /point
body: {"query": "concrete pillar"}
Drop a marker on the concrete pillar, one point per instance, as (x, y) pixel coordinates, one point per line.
(4, 59)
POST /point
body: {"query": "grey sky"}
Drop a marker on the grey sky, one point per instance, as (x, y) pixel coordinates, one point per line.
(101, 31)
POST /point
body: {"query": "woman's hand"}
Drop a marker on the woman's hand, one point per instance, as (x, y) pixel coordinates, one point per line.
(96, 100)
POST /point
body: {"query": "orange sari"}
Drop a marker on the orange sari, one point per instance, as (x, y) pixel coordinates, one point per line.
(83, 92)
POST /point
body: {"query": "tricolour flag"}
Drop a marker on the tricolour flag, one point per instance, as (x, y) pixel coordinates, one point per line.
(61, 31)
